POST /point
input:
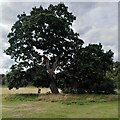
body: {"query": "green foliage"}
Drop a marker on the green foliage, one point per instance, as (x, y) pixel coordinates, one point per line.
(16, 77)
(46, 31)
(115, 73)
(2, 79)
(43, 37)
(36, 76)
(44, 41)
(87, 73)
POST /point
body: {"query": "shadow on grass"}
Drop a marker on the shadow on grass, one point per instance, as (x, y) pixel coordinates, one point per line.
(20, 97)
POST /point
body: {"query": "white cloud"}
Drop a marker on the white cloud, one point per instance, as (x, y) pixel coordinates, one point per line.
(107, 36)
(99, 25)
(5, 26)
(5, 62)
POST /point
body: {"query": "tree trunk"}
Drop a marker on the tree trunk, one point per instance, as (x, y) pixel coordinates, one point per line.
(53, 86)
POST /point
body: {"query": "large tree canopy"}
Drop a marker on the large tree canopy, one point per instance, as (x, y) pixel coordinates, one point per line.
(43, 41)
(44, 37)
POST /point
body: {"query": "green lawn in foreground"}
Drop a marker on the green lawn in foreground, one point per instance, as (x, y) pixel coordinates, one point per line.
(49, 106)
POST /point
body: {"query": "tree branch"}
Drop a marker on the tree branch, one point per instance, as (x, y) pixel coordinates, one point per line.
(50, 71)
(56, 60)
(47, 63)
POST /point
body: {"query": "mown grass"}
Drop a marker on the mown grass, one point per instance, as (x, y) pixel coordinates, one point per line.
(28, 105)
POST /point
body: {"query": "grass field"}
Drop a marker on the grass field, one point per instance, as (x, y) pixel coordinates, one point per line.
(25, 103)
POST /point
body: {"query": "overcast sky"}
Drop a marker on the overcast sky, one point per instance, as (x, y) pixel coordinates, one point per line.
(97, 22)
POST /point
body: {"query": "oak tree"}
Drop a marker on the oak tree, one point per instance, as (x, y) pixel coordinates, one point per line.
(44, 37)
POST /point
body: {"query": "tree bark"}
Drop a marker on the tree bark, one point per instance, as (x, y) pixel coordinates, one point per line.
(53, 86)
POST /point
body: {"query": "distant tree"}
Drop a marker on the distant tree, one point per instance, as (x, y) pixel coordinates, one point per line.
(44, 37)
(115, 73)
(2, 79)
(87, 72)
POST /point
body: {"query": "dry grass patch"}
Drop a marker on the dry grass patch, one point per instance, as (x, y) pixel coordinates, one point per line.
(53, 97)
(25, 90)
(28, 90)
